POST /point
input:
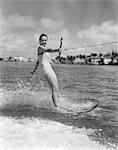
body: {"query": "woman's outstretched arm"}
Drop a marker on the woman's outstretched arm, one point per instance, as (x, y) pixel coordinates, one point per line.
(44, 49)
(53, 50)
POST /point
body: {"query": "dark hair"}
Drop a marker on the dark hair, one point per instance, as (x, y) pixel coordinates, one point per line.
(42, 36)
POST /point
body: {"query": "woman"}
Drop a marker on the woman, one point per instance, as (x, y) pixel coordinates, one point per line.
(45, 64)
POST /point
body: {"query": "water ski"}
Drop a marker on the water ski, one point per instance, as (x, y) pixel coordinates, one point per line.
(81, 107)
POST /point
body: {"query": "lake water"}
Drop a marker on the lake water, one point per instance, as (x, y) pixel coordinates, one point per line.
(22, 127)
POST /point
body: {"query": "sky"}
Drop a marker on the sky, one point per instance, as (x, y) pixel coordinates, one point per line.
(79, 22)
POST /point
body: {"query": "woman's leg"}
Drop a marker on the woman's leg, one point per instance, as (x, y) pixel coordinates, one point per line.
(52, 80)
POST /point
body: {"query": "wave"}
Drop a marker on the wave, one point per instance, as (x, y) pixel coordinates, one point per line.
(20, 103)
(33, 134)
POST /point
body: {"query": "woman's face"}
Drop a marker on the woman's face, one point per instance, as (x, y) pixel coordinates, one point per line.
(43, 40)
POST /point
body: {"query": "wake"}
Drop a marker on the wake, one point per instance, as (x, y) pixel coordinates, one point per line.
(24, 94)
(27, 96)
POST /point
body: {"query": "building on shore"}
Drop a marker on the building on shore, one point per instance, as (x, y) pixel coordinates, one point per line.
(79, 60)
(20, 59)
(31, 60)
(107, 60)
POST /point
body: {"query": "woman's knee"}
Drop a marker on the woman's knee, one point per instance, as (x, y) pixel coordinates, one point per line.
(53, 83)
(55, 89)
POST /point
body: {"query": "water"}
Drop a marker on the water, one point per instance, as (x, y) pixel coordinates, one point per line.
(23, 127)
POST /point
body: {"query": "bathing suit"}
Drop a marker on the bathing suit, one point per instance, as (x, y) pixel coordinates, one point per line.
(47, 71)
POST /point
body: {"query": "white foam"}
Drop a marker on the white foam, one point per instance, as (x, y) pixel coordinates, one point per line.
(34, 134)
(25, 97)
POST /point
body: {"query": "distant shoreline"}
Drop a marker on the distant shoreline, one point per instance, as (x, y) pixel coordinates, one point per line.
(58, 64)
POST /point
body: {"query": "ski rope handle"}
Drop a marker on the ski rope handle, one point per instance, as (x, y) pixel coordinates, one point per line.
(60, 45)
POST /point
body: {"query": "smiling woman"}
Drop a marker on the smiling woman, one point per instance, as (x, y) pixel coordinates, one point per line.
(45, 65)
